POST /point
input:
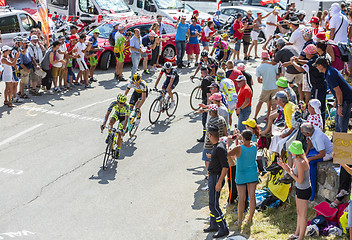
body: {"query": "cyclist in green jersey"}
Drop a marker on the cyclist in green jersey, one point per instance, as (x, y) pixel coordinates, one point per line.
(122, 111)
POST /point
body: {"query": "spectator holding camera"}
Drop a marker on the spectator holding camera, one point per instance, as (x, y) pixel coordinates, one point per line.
(238, 28)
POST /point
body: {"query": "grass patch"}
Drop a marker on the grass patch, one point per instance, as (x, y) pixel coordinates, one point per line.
(275, 224)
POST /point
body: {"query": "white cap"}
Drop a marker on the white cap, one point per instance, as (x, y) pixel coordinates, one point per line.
(34, 37)
(315, 103)
(120, 27)
(151, 33)
(5, 48)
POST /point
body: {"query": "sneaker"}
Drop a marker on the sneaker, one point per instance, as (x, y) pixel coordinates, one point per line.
(159, 66)
(57, 89)
(122, 78)
(93, 79)
(179, 66)
(196, 64)
(18, 100)
(183, 65)
(189, 64)
(172, 104)
(206, 188)
(88, 86)
(116, 77)
(153, 69)
(50, 92)
(146, 72)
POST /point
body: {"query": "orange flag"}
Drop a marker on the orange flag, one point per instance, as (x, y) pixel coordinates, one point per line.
(2, 3)
(43, 17)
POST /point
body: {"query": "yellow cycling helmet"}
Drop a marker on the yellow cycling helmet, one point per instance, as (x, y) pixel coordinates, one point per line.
(121, 98)
(224, 35)
(136, 77)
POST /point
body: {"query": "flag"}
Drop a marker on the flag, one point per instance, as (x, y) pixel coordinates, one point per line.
(42, 9)
(219, 4)
(2, 3)
(263, 2)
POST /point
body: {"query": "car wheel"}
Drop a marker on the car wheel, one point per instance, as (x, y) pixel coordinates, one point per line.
(169, 51)
(105, 60)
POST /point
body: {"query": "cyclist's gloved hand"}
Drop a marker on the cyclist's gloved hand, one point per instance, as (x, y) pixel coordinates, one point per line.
(155, 89)
(102, 126)
(192, 77)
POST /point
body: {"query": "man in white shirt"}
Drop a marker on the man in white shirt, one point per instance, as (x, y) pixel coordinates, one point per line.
(271, 23)
(338, 24)
(83, 68)
(296, 38)
(36, 54)
(58, 68)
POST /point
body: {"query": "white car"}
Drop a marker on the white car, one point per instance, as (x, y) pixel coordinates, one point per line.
(230, 11)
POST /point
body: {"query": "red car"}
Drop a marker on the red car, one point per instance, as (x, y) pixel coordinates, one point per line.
(107, 57)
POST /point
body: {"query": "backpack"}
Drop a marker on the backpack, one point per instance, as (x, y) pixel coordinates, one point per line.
(345, 51)
(112, 38)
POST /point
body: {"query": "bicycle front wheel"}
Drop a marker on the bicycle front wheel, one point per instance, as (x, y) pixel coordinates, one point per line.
(108, 153)
(171, 111)
(155, 111)
(196, 98)
(133, 128)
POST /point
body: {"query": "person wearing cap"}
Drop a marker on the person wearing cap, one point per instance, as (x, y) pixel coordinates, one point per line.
(73, 30)
(81, 49)
(207, 34)
(244, 102)
(232, 73)
(218, 169)
(315, 78)
(58, 68)
(7, 73)
(338, 24)
(25, 64)
(221, 49)
(266, 75)
(271, 23)
(159, 19)
(257, 27)
(181, 36)
(314, 23)
(238, 28)
(246, 173)
(216, 98)
(300, 173)
(247, 32)
(36, 54)
(215, 88)
(92, 54)
(216, 120)
(341, 90)
(252, 125)
(307, 34)
(136, 50)
(149, 42)
(119, 50)
(196, 15)
(227, 87)
(206, 82)
(192, 47)
(296, 38)
(284, 55)
(15, 48)
(283, 85)
(241, 67)
(71, 58)
(330, 50)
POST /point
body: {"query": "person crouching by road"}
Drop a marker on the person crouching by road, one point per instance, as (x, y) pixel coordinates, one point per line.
(218, 168)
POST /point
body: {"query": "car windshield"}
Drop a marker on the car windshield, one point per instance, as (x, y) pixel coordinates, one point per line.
(282, 3)
(104, 29)
(169, 4)
(113, 6)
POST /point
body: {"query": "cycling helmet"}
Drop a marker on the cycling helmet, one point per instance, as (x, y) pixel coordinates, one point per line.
(204, 53)
(121, 98)
(136, 77)
(168, 65)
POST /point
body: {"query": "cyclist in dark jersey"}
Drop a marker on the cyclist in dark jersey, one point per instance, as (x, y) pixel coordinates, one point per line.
(171, 81)
(207, 61)
(122, 111)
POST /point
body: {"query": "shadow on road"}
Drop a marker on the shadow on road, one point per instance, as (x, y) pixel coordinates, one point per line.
(201, 198)
(5, 109)
(196, 148)
(128, 148)
(193, 117)
(160, 126)
(105, 176)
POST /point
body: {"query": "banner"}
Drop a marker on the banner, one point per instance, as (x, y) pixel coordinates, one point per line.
(263, 2)
(2, 3)
(42, 9)
(278, 189)
(342, 148)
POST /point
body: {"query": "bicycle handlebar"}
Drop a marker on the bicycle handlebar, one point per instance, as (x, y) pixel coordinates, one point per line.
(157, 90)
(194, 77)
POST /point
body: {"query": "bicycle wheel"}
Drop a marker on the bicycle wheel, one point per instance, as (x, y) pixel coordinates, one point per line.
(171, 111)
(196, 98)
(108, 153)
(133, 128)
(155, 111)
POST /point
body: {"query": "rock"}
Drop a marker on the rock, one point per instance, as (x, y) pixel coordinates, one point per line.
(327, 181)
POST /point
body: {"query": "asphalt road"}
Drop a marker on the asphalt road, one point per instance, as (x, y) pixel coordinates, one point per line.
(52, 185)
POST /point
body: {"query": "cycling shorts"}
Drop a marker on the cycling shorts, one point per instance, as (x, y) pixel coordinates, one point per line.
(167, 82)
(120, 119)
(120, 57)
(93, 61)
(136, 96)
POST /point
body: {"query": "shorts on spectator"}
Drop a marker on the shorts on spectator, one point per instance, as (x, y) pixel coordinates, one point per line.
(34, 77)
(120, 57)
(24, 76)
(205, 44)
(254, 35)
(204, 155)
(304, 193)
(232, 106)
(298, 77)
(238, 45)
(55, 71)
(70, 71)
(305, 85)
(93, 61)
(82, 65)
(192, 49)
(267, 95)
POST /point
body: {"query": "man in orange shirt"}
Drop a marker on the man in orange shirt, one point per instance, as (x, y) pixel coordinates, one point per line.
(244, 102)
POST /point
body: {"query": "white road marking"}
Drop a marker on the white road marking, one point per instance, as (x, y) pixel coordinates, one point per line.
(15, 234)
(11, 171)
(20, 134)
(92, 104)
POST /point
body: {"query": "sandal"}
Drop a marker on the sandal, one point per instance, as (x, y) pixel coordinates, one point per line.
(293, 237)
(6, 102)
(24, 96)
(237, 223)
(342, 193)
(10, 105)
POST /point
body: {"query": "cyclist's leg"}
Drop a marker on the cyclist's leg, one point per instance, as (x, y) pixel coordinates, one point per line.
(120, 127)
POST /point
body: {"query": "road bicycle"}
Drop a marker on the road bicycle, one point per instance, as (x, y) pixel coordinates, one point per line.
(111, 147)
(162, 104)
(196, 95)
(132, 124)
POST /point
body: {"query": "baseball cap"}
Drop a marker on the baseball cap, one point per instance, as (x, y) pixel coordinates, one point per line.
(265, 54)
(280, 94)
(61, 37)
(296, 148)
(5, 48)
(195, 11)
(315, 103)
(250, 123)
(17, 39)
(250, 11)
(282, 82)
(216, 97)
(224, 140)
(183, 17)
(307, 30)
(96, 30)
(280, 42)
(220, 73)
(241, 66)
(314, 20)
(213, 107)
(321, 35)
(25, 40)
(240, 78)
(276, 9)
(120, 27)
(115, 24)
(151, 33)
(73, 37)
(310, 49)
(34, 37)
(214, 85)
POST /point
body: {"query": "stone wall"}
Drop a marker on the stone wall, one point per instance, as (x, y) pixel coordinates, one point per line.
(327, 181)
